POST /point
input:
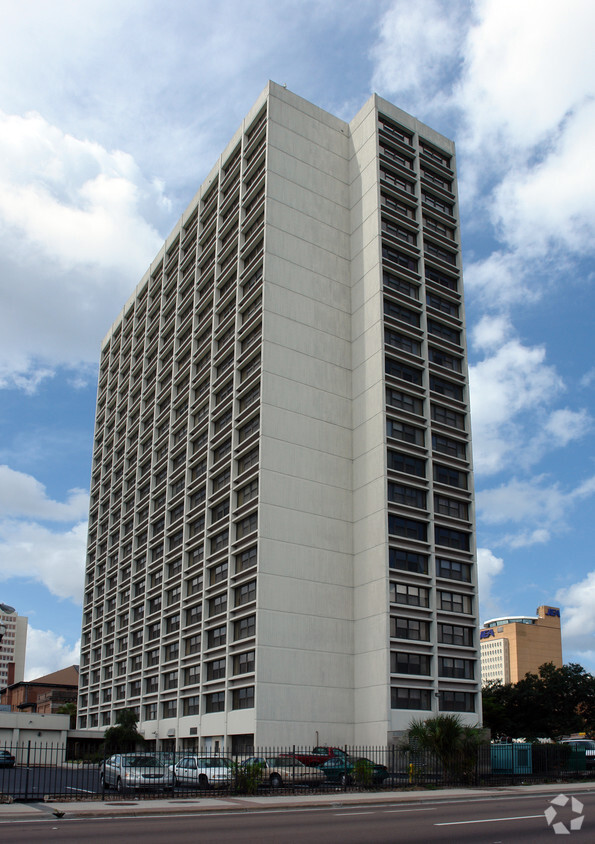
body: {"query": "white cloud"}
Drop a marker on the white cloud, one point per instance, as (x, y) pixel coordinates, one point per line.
(488, 567)
(542, 508)
(48, 652)
(565, 425)
(23, 495)
(417, 51)
(578, 620)
(57, 560)
(490, 332)
(514, 380)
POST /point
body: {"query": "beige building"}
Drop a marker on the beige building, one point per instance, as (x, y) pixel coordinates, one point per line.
(512, 647)
(281, 531)
(12, 646)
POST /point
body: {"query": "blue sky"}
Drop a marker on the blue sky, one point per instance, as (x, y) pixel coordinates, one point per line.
(112, 114)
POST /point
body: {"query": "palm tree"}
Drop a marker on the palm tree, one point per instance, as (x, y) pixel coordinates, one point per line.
(453, 743)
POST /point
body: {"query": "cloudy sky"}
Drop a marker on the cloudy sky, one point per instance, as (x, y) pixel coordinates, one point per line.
(112, 113)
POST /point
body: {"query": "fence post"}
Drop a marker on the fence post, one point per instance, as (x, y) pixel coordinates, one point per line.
(27, 769)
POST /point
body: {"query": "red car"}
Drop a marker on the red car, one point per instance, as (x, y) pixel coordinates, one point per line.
(318, 755)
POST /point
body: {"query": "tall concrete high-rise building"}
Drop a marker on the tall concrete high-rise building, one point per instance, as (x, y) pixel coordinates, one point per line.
(13, 645)
(281, 540)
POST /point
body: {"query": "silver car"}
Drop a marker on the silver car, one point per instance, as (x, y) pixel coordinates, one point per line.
(134, 770)
(203, 771)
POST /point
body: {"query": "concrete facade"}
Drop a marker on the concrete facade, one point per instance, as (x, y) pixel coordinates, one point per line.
(514, 646)
(13, 646)
(281, 542)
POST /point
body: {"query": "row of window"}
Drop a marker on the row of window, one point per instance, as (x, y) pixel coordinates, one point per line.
(419, 630)
(448, 666)
(448, 701)
(419, 596)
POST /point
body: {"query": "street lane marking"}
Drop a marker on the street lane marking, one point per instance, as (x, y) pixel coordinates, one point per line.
(349, 814)
(490, 820)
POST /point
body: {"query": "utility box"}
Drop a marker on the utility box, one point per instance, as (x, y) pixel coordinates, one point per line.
(513, 758)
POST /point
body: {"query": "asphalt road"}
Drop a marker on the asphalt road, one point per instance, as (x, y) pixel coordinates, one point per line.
(505, 820)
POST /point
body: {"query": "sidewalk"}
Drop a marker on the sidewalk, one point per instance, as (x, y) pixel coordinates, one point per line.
(195, 805)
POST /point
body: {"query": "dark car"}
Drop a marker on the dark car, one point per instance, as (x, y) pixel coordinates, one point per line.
(350, 769)
(7, 760)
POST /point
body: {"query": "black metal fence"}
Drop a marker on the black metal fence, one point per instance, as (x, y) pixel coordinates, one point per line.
(35, 772)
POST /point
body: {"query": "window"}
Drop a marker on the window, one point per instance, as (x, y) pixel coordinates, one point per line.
(400, 462)
(248, 492)
(192, 645)
(246, 526)
(395, 131)
(454, 602)
(153, 657)
(217, 636)
(455, 634)
(222, 450)
(394, 204)
(453, 570)
(169, 709)
(403, 431)
(395, 155)
(441, 278)
(450, 477)
(215, 702)
(409, 628)
(446, 416)
(218, 604)
(220, 541)
(245, 627)
(451, 507)
(407, 561)
(220, 511)
(444, 359)
(452, 538)
(397, 311)
(192, 675)
(171, 651)
(395, 179)
(409, 528)
(243, 698)
(248, 460)
(172, 623)
(245, 593)
(414, 596)
(194, 585)
(198, 497)
(411, 404)
(134, 688)
(405, 663)
(170, 680)
(456, 701)
(243, 663)
(216, 669)
(446, 445)
(463, 669)
(193, 615)
(190, 705)
(391, 228)
(410, 698)
(401, 370)
(222, 480)
(218, 573)
(444, 331)
(409, 496)
(401, 341)
(246, 559)
(249, 428)
(152, 684)
(446, 388)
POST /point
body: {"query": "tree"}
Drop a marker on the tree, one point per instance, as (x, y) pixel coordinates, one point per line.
(552, 703)
(68, 708)
(452, 742)
(124, 736)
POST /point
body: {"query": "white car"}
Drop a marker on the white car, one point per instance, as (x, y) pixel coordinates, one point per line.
(203, 771)
(134, 770)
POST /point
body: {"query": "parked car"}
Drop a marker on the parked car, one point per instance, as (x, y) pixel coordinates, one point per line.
(7, 760)
(589, 747)
(134, 770)
(318, 755)
(203, 771)
(278, 770)
(351, 769)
